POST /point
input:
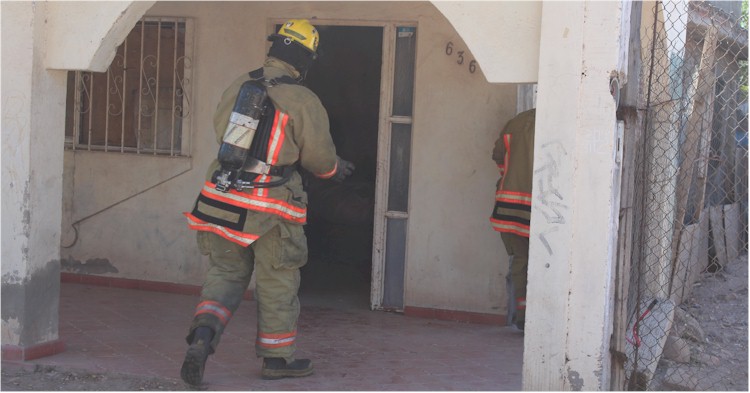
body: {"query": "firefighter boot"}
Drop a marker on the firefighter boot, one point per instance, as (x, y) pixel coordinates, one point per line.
(277, 368)
(195, 358)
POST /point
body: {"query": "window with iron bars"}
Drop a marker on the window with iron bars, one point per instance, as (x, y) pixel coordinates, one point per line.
(142, 103)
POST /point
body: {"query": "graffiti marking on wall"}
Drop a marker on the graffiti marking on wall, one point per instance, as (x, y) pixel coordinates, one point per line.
(543, 238)
(547, 191)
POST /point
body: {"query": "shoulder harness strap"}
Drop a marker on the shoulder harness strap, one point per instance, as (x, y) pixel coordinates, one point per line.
(285, 79)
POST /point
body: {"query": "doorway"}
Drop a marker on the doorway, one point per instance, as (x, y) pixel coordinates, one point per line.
(347, 79)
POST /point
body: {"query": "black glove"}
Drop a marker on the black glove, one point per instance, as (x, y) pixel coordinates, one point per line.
(344, 168)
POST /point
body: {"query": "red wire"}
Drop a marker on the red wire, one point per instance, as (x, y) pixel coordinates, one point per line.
(637, 342)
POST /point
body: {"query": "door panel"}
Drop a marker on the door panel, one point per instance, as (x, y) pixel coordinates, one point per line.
(393, 178)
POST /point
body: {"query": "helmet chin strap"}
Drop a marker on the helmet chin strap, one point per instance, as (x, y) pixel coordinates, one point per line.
(302, 76)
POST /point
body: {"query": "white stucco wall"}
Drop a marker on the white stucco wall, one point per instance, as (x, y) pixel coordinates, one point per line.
(15, 162)
(16, 112)
(503, 35)
(575, 204)
(455, 261)
(451, 245)
(71, 48)
(32, 105)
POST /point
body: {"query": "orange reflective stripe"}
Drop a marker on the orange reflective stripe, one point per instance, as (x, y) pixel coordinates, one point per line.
(275, 142)
(215, 309)
(257, 203)
(510, 227)
(521, 303)
(277, 137)
(268, 340)
(516, 193)
(329, 174)
(513, 197)
(243, 239)
(277, 335)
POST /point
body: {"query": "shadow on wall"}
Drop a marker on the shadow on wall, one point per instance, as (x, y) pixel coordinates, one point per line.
(91, 266)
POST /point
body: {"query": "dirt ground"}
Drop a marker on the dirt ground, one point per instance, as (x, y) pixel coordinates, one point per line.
(47, 378)
(715, 342)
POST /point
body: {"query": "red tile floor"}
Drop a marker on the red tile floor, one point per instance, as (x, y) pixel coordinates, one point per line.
(142, 333)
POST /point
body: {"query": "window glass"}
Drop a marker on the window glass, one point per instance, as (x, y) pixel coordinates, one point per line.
(398, 182)
(403, 80)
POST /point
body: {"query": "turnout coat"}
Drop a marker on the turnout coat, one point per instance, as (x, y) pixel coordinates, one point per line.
(514, 155)
(299, 135)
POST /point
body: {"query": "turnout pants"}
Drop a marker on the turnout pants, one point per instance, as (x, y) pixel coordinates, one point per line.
(518, 248)
(276, 258)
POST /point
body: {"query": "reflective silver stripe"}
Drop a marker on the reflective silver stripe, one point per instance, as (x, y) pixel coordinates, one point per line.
(220, 312)
(276, 341)
(272, 155)
(256, 203)
(513, 196)
(275, 136)
(262, 192)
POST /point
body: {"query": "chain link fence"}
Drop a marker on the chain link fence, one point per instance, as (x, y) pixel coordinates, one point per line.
(686, 311)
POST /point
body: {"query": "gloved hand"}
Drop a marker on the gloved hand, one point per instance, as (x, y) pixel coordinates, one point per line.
(344, 168)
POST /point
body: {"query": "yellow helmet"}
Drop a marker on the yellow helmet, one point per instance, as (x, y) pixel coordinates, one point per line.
(301, 31)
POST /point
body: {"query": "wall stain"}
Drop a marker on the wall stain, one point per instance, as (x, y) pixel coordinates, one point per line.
(576, 382)
(26, 221)
(91, 266)
(34, 304)
(13, 277)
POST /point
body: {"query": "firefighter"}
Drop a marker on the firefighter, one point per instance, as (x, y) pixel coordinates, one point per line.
(260, 229)
(514, 155)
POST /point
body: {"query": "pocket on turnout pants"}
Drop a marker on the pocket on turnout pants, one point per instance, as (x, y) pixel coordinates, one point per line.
(204, 244)
(293, 247)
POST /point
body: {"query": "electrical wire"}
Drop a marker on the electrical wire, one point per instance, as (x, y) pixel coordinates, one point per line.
(74, 225)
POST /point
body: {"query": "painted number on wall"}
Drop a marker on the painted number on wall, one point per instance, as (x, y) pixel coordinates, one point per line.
(461, 59)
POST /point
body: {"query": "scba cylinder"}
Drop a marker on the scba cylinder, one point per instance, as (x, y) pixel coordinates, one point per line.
(239, 134)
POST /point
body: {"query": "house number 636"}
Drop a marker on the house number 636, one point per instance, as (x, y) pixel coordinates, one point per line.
(460, 55)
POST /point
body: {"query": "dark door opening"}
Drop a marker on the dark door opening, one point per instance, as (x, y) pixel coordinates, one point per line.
(346, 77)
